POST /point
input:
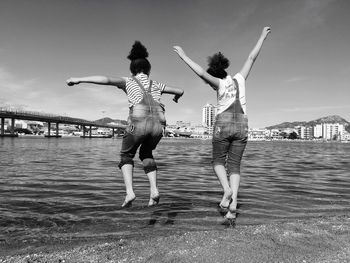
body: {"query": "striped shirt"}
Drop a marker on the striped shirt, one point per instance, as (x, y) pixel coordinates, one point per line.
(134, 92)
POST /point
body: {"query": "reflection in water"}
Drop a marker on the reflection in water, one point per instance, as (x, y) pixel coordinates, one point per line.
(71, 188)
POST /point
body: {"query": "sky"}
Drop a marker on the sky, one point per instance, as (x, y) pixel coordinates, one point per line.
(302, 72)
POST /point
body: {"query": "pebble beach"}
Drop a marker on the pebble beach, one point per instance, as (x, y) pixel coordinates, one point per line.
(323, 239)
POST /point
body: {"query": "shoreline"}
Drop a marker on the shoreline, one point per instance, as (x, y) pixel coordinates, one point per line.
(179, 138)
(322, 239)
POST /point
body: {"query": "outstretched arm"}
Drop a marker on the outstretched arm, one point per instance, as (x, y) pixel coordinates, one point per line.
(175, 91)
(212, 81)
(254, 53)
(100, 80)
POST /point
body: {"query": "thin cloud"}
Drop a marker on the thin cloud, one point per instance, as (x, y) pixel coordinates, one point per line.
(295, 79)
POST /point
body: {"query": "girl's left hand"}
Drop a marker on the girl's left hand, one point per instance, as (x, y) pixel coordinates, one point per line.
(72, 81)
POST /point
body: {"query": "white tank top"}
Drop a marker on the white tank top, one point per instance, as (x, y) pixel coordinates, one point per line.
(226, 93)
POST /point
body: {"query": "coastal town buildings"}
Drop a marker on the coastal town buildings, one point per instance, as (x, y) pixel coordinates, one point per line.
(324, 131)
(321, 131)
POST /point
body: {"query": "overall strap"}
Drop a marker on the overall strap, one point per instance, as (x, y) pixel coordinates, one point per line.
(150, 85)
(139, 83)
(147, 95)
(237, 86)
(142, 86)
(237, 105)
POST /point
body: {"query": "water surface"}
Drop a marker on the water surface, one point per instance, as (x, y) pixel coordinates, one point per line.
(70, 188)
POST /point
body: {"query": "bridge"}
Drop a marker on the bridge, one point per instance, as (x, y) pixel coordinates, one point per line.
(49, 119)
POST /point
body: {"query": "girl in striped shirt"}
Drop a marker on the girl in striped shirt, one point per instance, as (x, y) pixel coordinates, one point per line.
(146, 118)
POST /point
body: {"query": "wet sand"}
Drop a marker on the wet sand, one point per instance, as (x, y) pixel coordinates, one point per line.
(324, 239)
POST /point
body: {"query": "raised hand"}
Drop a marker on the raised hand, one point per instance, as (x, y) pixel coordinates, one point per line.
(266, 30)
(177, 97)
(179, 51)
(72, 81)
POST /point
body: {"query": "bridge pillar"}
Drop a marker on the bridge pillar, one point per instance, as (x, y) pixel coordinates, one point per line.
(113, 132)
(2, 126)
(12, 126)
(49, 129)
(90, 131)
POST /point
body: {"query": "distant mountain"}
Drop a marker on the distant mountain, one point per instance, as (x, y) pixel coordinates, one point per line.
(107, 120)
(285, 125)
(327, 119)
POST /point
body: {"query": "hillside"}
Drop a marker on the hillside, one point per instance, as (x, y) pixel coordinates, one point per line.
(327, 119)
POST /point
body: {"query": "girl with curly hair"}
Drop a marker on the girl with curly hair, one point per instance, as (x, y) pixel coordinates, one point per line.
(231, 124)
(146, 118)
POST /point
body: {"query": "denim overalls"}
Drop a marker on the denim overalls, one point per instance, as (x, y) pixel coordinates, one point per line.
(230, 136)
(146, 125)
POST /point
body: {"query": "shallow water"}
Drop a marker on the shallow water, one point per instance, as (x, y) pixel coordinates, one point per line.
(70, 188)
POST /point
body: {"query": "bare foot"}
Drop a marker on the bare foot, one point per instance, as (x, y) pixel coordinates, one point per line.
(154, 199)
(226, 199)
(128, 200)
(232, 210)
(233, 205)
(231, 214)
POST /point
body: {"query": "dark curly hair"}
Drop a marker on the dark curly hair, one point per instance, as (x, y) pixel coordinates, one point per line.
(138, 56)
(217, 65)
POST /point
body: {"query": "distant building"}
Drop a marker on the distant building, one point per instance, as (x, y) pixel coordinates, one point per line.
(329, 131)
(303, 132)
(346, 136)
(199, 129)
(257, 134)
(21, 124)
(309, 133)
(318, 131)
(275, 134)
(183, 124)
(208, 116)
(300, 131)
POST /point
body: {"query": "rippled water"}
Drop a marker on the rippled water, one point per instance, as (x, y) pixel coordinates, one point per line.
(70, 188)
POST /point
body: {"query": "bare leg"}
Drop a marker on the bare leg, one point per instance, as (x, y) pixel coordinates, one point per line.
(127, 171)
(222, 176)
(234, 182)
(154, 193)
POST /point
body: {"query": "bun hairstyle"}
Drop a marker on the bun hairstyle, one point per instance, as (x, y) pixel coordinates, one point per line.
(138, 56)
(217, 65)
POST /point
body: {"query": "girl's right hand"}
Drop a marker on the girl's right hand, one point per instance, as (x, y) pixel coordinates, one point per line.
(177, 97)
(72, 81)
(179, 51)
(266, 30)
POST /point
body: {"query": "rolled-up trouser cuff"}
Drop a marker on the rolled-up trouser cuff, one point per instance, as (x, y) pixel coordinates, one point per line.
(218, 162)
(125, 161)
(149, 165)
(149, 169)
(231, 169)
